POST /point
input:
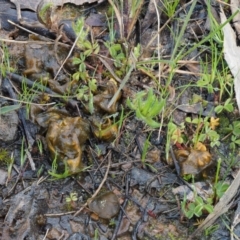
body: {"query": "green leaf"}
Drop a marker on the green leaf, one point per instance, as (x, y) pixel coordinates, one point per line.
(87, 45)
(130, 104)
(189, 214)
(197, 120)
(199, 200)
(76, 76)
(229, 107)
(152, 123)
(218, 109)
(157, 108)
(76, 61)
(10, 108)
(209, 208)
(237, 142)
(92, 85)
(188, 119)
(198, 210)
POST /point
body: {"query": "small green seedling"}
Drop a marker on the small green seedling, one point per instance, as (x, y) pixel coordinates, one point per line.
(40, 146)
(72, 197)
(220, 187)
(71, 200)
(85, 93)
(53, 171)
(170, 7)
(7, 159)
(227, 106)
(147, 107)
(196, 207)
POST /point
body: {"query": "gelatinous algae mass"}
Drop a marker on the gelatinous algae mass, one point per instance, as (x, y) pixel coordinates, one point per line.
(193, 161)
(65, 140)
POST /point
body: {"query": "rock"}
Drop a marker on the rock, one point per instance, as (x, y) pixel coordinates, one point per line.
(8, 126)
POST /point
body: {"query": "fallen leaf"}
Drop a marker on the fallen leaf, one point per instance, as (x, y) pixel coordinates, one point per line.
(236, 20)
(232, 54)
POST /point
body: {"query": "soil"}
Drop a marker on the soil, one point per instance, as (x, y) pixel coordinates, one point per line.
(111, 191)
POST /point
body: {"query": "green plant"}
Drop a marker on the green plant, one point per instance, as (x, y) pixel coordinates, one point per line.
(71, 200)
(218, 35)
(227, 106)
(96, 234)
(170, 7)
(7, 159)
(146, 146)
(174, 135)
(45, 12)
(204, 130)
(29, 93)
(6, 109)
(40, 171)
(53, 171)
(220, 187)
(5, 65)
(85, 93)
(22, 154)
(82, 72)
(117, 53)
(196, 207)
(147, 107)
(210, 230)
(83, 43)
(66, 173)
(112, 222)
(85, 46)
(233, 130)
(40, 146)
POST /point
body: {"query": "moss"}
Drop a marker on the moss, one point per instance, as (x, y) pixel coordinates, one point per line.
(224, 123)
(5, 158)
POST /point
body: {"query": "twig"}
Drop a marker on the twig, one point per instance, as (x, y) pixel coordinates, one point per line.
(59, 214)
(110, 69)
(46, 234)
(69, 54)
(32, 164)
(23, 28)
(124, 81)
(31, 41)
(99, 188)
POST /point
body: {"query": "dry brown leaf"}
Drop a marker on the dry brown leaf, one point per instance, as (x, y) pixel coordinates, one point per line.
(232, 54)
(236, 20)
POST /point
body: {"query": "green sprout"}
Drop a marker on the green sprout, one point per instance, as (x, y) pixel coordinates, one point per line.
(71, 200)
(6, 159)
(72, 197)
(147, 107)
(196, 207)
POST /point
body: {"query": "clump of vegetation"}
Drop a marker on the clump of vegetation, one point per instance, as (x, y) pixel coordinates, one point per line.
(71, 200)
(6, 159)
(199, 206)
(147, 106)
